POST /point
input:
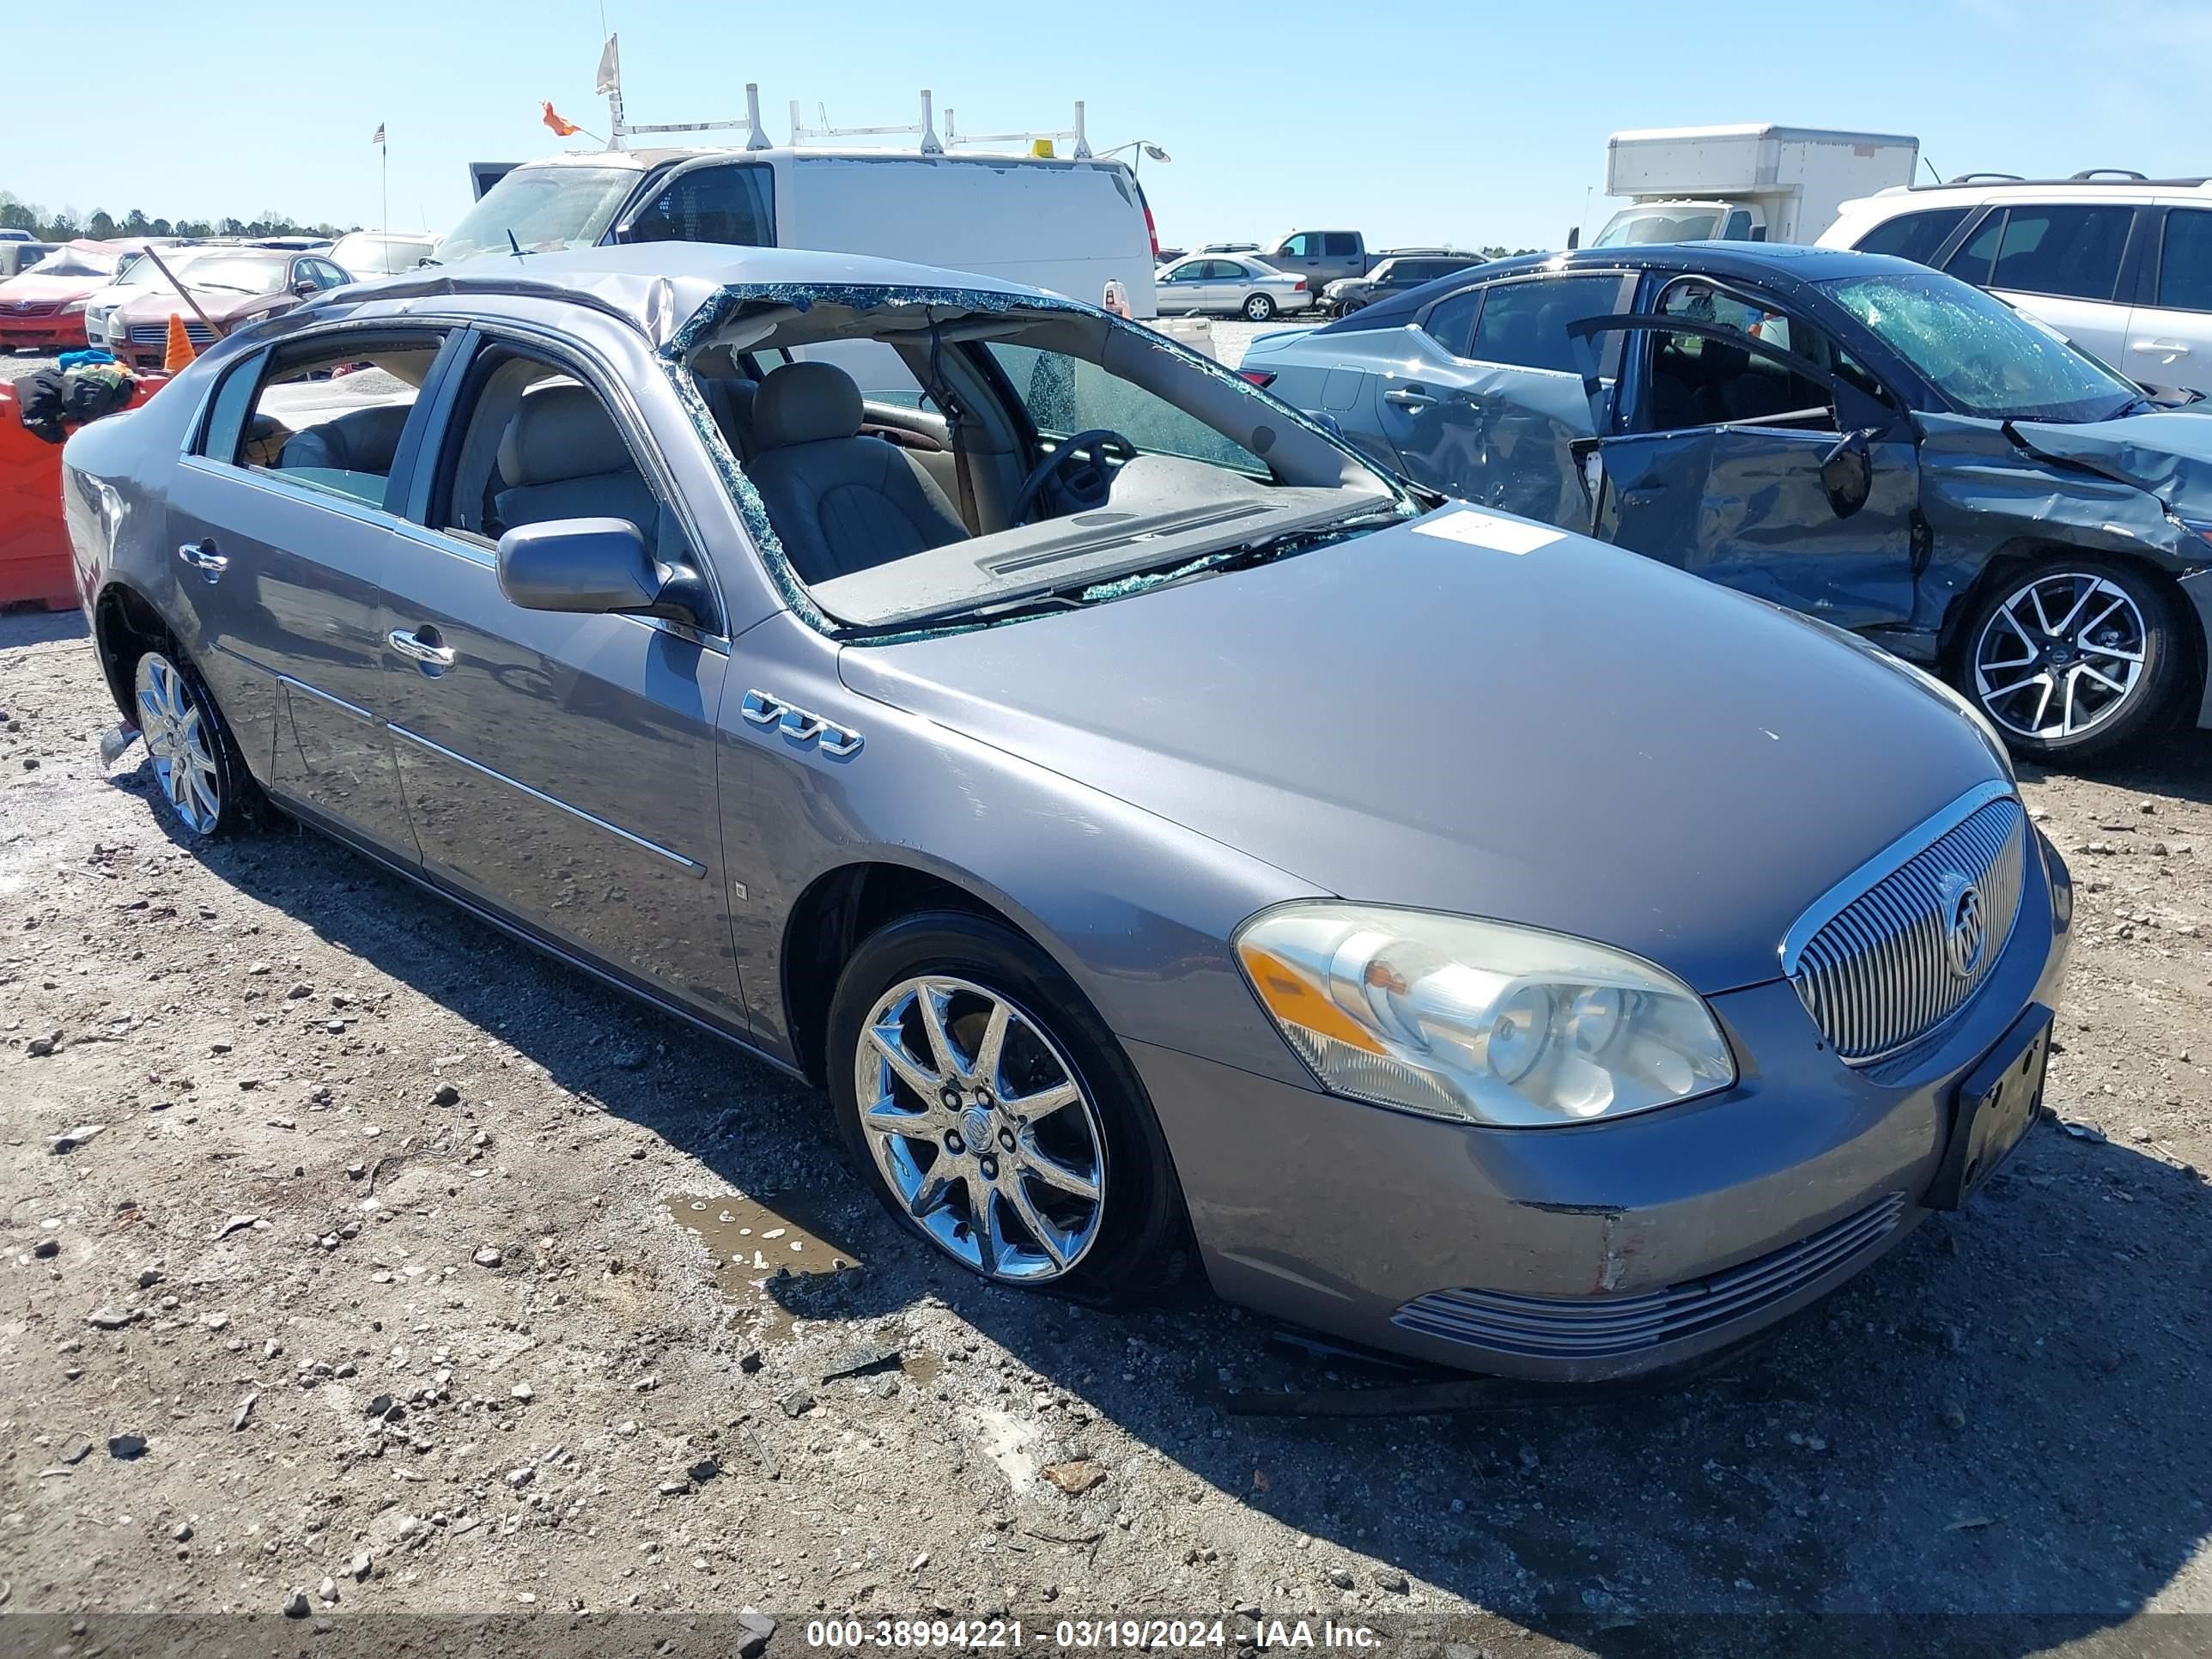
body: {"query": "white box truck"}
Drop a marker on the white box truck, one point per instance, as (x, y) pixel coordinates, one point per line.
(1744, 184)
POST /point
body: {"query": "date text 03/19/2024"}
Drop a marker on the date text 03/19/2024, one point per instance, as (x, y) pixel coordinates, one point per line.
(1083, 1635)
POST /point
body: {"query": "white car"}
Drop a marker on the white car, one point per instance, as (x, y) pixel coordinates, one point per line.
(2122, 265)
(362, 254)
(1229, 283)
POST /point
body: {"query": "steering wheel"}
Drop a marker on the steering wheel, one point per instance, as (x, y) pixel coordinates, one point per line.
(1076, 473)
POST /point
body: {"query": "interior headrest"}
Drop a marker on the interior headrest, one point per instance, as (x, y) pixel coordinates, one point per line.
(805, 403)
(561, 432)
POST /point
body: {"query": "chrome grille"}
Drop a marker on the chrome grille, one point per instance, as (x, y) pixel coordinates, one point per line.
(1896, 948)
(158, 333)
(1606, 1326)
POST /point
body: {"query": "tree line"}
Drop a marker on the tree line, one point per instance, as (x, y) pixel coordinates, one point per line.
(66, 224)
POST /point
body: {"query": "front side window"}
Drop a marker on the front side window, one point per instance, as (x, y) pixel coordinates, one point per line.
(1914, 236)
(1525, 324)
(1190, 270)
(1739, 226)
(1983, 357)
(532, 443)
(1300, 246)
(2185, 266)
(326, 412)
(1065, 395)
(730, 205)
(2072, 251)
(1698, 380)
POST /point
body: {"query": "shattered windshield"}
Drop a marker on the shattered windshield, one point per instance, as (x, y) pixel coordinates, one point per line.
(1985, 357)
(546, 207)
(73, 262)
(925, 463)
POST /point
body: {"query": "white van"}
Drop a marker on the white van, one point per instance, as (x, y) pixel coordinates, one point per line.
(1067, 226)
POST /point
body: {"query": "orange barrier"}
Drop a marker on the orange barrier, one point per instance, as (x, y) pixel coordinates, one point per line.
(35, 549)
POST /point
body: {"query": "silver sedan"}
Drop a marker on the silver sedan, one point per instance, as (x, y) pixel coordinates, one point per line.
(1229, 284)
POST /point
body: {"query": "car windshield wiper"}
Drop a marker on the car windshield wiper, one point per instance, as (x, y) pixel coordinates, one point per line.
(225, 288)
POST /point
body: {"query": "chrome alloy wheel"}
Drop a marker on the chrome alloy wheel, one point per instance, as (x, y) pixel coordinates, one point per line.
(979, 1124)
(180, 744)
(2061, 655)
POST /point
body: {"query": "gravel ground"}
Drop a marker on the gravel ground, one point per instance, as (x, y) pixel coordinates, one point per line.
(398, 1275)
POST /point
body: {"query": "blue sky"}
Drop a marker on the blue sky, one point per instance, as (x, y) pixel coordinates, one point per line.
(1419, 120)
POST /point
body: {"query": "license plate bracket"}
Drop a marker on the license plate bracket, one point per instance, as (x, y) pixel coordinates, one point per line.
(1994, 1108)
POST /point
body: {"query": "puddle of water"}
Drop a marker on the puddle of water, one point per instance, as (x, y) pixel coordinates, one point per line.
(923, 1367)
(755, 1242)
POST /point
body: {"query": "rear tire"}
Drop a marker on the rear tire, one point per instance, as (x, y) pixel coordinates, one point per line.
(199, 776)
(1259, 308)
(989, 1156)
(2074, 657)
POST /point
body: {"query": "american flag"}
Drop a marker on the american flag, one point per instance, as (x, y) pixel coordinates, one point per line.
(379, 138)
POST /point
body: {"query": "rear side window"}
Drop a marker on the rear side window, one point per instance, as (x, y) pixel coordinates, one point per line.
(1451, 320)
(1341, 245)
(2073, 252)
(1525, 324)
(730, 205)
(2185, 266)
(1915, 236)
(2070, 250)
(328, 414)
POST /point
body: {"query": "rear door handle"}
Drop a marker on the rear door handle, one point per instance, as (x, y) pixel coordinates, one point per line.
(427, 652)
(2174, 347)
(1409, 397)
(203, 558)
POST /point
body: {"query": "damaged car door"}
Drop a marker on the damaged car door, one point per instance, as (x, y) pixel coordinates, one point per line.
(1749, 451)
(1486, 399)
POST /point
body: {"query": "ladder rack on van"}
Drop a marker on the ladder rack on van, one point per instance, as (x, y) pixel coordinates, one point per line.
(926, 129)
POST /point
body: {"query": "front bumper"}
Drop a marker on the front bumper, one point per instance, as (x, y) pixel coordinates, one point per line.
(1432, 1238)
(56, 332)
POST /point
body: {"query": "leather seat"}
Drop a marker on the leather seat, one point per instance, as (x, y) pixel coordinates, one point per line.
(840, 502)
(562, 456)
(359, 441)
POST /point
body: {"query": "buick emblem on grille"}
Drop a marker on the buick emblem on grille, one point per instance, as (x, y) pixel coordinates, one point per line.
(1965, 934)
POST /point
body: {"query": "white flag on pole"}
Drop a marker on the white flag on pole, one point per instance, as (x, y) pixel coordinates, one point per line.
(609, 67)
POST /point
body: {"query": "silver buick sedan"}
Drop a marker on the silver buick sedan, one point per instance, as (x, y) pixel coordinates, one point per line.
(1146, 820)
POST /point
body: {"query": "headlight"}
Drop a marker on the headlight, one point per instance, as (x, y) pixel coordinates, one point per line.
(74, 308)
(1483, 1021)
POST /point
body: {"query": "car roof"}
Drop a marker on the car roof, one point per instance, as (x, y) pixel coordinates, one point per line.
(1747, 261)
(653, 285)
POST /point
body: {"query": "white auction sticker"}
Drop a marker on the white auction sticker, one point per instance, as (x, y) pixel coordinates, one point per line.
(1485, 529)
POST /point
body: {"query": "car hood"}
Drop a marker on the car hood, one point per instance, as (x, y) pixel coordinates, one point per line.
(2168, 453)
(1577, 739)
(45, 288)
(219, 304)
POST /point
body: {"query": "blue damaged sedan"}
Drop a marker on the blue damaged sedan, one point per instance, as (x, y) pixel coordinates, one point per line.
(1146, 820)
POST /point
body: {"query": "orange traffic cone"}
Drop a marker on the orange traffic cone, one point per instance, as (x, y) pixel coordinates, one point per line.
(180, 350)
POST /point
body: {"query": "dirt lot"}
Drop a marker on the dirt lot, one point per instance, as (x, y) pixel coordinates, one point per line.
(383, 1280)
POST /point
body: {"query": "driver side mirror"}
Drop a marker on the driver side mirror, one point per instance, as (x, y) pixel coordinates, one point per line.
(1847, 474)
(305, 286)
(595, 567)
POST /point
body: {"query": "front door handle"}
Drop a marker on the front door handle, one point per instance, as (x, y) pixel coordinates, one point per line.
(203, 558)
(1409, 397)
(2172, 347)
(426, 651)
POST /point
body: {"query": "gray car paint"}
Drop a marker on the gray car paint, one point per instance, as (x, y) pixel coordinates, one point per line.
(1388, 717)
(1952, 493)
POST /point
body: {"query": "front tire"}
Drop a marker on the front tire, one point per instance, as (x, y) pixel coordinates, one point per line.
(986, 1104)
(201, 777)
(2073, 657)
(1259, 308)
